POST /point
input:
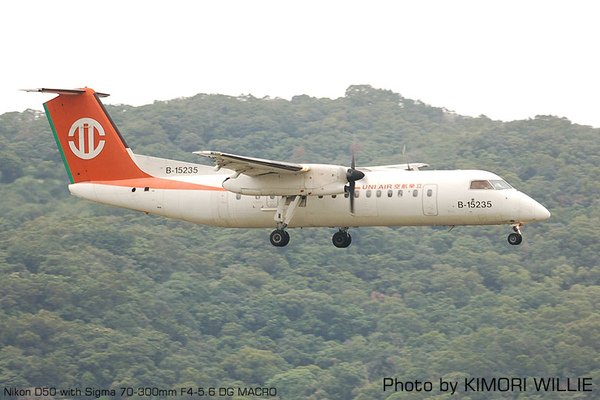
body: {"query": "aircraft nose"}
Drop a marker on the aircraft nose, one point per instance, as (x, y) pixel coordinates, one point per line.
(531, 210)
(541, 213)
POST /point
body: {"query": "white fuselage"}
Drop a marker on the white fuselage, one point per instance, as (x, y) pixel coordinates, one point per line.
(385, 197)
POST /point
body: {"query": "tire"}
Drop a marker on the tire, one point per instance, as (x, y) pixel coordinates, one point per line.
(341, 239)
(279, 238)
(515, 239)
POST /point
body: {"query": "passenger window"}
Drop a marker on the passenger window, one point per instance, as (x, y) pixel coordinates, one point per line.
(390, 193)
(238, 196)
(415, 193)
(333, 196)
(481, 185)
(400, 193)
(378, 193)
(346, 195)
(429, 192)
(356, 194)
(369, 193)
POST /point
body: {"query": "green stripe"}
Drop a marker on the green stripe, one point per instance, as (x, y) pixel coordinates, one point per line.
(60, 149)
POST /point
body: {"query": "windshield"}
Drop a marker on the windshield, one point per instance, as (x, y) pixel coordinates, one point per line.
(500, 185)
(481, 185)
(490, 185)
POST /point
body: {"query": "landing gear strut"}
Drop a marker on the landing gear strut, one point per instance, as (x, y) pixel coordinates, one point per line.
(341, 238)
(280, 237)
(516, 237)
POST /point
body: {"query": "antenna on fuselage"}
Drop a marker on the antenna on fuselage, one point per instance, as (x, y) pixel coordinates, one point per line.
(408, 168)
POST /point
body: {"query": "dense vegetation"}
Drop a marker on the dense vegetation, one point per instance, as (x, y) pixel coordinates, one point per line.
(93, 296)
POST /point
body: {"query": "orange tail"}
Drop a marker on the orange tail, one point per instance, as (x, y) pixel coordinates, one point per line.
(90, 144)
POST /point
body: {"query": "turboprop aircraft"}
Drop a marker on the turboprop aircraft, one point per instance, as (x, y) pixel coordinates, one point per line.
(248, 192)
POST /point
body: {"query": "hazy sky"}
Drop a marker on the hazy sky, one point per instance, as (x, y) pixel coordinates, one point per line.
(505, 59)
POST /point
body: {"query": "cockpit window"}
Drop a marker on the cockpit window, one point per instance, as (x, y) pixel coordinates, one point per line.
(481, 185)
(500, 185)
(490, 185)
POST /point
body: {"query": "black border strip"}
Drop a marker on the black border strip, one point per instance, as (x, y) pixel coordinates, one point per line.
(110, 120)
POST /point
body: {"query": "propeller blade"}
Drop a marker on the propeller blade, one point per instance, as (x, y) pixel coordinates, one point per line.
(353, 175)
(351, 194)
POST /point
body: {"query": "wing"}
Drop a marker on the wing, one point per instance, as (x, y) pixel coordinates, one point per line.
(406, 167)
(251, 166)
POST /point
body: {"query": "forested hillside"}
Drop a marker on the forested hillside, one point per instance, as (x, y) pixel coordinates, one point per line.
(99, 297)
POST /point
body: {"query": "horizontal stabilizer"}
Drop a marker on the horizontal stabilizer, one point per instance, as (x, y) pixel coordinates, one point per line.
(72, 92)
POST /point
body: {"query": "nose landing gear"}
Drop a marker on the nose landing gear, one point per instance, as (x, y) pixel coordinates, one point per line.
(516, 237)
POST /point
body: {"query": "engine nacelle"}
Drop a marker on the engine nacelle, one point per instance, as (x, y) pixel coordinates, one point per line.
(319, 180)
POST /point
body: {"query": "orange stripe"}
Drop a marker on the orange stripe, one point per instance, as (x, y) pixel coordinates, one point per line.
(158, 183)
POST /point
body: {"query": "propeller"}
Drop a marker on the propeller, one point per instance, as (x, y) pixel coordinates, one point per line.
(353, 175)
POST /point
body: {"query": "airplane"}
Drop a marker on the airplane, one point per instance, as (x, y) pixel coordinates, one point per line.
(248, 192)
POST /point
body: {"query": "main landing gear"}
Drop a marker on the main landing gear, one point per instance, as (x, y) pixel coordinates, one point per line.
(516, 237)
(341, 238)
(279, 237)
(286, 208)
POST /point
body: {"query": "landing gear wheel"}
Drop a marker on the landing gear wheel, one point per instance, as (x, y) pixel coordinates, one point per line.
(341, 239)
(515, 239)
(279, 238)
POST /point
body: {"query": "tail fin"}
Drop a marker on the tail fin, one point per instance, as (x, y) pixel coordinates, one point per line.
(90, 144)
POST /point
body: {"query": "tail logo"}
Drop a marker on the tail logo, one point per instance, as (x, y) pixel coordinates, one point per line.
(84, 145)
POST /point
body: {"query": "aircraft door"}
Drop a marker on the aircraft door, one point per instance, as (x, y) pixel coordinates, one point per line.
(220, 207)
(429, 196)
(157, 198)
